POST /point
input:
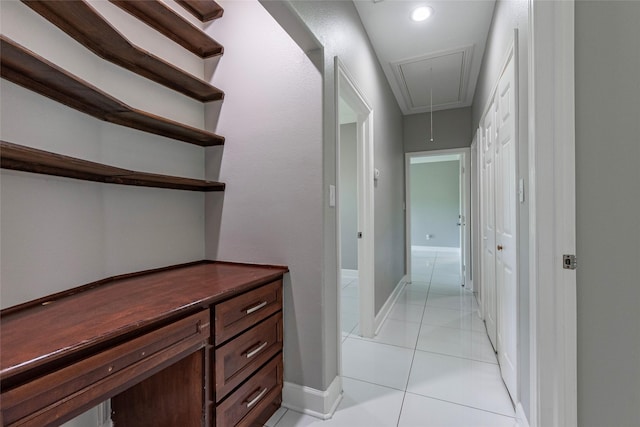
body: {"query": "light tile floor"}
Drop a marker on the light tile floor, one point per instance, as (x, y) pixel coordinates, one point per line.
(431, 364)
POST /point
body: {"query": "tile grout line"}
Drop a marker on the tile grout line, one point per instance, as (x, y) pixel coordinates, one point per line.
(457, 357)
(461, 404)
(415, 346)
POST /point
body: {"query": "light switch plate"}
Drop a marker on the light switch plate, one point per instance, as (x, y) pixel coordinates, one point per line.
(332, 196)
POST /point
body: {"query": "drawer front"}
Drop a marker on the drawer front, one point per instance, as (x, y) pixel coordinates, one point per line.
(240, 313)
(252, 398)
(49, 399)
(239, 358)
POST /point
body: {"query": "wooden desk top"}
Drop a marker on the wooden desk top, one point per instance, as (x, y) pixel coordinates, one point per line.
(35, 335)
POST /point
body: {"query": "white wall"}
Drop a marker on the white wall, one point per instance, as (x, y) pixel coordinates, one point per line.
(271, 211)
(607, 65)
(451, 129)
(507, 16)
(59, 233)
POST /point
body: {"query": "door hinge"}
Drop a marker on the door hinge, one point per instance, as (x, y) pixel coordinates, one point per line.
(569, 262)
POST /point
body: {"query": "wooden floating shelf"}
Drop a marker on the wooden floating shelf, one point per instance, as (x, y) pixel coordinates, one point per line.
(166, 21)
(33, 72)
(204, 10)
(26, 159)
(82, 22)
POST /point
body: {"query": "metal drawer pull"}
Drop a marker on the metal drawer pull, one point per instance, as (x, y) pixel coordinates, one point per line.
(257, 398)
(256, 307)
(252, 353)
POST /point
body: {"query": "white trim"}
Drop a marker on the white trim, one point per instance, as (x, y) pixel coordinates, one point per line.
(465, 160)
(346, 89)
(389, 303)
(521, 417)
(349, 274)
(552, 299)
(417, 248)
(307, 400)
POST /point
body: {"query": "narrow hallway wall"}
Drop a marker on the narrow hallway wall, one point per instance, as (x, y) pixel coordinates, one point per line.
(271, 211)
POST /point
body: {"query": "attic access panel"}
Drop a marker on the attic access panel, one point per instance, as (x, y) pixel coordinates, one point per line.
(447, 72)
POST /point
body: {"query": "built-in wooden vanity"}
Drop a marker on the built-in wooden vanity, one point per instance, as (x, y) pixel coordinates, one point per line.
(192, 345)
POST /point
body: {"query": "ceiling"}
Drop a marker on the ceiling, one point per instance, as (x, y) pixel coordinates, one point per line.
(438, 58)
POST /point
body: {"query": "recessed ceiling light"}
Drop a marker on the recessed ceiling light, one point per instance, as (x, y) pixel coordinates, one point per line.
(421, 13)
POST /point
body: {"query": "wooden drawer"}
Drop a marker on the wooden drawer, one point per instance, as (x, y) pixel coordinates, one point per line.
(239, 358)
(242, 312)
(249, 401)
(56, 397)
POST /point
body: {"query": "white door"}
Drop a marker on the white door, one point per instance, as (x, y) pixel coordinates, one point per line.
(506, 226)
(488, 224)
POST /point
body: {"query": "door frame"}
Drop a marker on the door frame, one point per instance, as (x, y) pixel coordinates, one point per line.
(465, 180)
(346, 89)
(552, 213)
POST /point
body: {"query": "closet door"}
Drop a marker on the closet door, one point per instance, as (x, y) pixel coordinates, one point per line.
(487, 198)
(505, 230)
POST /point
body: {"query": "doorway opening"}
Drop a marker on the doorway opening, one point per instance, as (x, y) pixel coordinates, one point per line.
(348, 211)
(355, 227)
(437, 194)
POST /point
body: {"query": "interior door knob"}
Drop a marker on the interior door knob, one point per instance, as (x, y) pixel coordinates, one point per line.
(500, 247)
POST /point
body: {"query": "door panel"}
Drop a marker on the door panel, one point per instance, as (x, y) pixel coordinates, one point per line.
(488, 225)
(506, 226)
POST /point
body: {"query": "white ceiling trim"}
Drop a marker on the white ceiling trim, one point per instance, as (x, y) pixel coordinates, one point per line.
(404, 80)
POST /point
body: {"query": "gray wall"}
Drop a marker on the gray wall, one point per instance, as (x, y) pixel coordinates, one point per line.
(337, 25)
(507, 16)
(271, 211)
(607, 64)
(451, 129)
(435, 203)
(348, 197)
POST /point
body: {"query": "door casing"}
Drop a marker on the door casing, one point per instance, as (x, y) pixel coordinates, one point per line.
(346, 89)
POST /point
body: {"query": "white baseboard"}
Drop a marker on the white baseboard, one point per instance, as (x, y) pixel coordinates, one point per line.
(388, 305)
(349, 274)
(521, 416)
(416, 248)
(307, 400)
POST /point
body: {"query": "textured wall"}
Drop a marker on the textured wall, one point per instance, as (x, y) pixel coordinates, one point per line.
(271, 211)
(451, 129)
(607, 64)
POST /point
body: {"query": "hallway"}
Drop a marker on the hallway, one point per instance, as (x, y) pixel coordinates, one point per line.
(430, 365)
